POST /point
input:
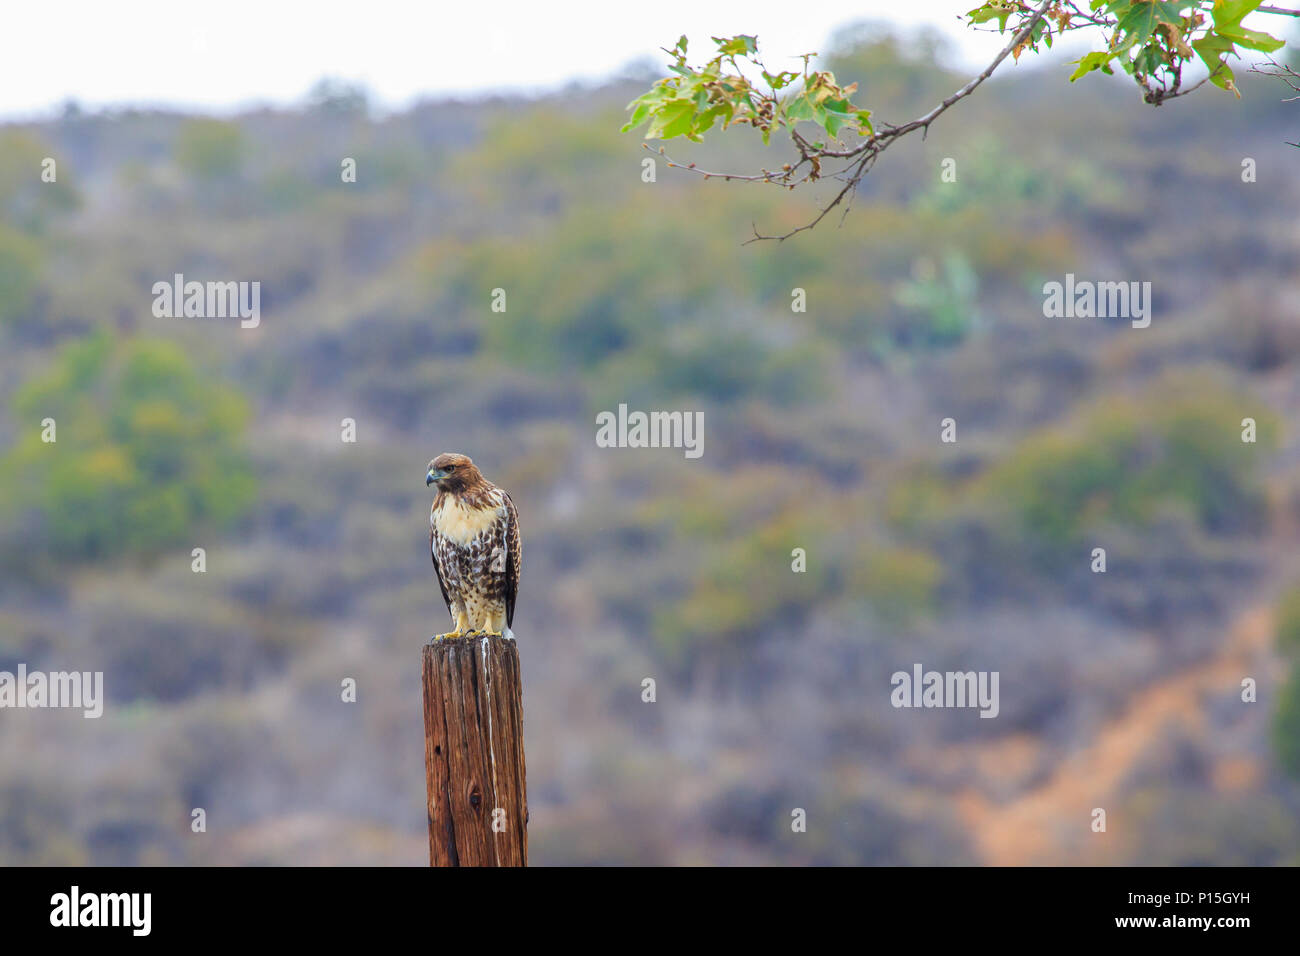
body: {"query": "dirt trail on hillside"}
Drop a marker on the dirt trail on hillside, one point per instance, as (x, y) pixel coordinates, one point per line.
(1050, 823)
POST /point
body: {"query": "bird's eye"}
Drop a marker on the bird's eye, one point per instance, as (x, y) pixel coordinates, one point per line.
(451, 467)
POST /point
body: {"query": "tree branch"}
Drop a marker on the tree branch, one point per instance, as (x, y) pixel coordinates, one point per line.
(1158, 72)
(867, 152)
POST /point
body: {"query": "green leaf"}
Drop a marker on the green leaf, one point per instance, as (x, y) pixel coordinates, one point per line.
(638, 117)
(708, 118)
(1148, 60)
(993, 10)
(741, 45)
(800, 108)
(1229, 13)
(1252, 39)
(832, 122)
(1090, 62)
(838, 113)
(1142, 16)
(780, 80)
(1212, 49)
(673, 119)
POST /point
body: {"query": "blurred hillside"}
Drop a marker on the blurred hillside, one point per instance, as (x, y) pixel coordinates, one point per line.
(821, 432)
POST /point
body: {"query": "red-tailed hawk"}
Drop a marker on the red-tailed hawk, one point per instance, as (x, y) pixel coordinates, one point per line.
(474, 540)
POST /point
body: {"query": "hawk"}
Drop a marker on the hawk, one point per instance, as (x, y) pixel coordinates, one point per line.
(474, 541)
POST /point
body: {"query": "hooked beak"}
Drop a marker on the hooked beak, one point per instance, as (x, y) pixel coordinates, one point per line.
(433, 476)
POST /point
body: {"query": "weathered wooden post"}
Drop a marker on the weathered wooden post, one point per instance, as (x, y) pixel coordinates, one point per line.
(474, 753)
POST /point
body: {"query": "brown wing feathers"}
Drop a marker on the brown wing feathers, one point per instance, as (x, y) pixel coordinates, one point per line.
(442, 585)
(514, 556)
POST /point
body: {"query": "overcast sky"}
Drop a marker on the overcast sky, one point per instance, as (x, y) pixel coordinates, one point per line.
(222, 55)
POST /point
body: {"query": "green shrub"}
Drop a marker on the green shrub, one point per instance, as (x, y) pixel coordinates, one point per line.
(1286, 724)
(209, 149)
(29, 199)
(1126, 459)
(20, 264)
(900, 583)
(147, 452)
(1288, 622)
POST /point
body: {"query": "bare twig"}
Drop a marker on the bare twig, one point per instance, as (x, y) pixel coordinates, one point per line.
(1280, 71)
(1191, 89)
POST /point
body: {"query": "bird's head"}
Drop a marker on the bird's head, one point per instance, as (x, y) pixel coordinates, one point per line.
(452, 472)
